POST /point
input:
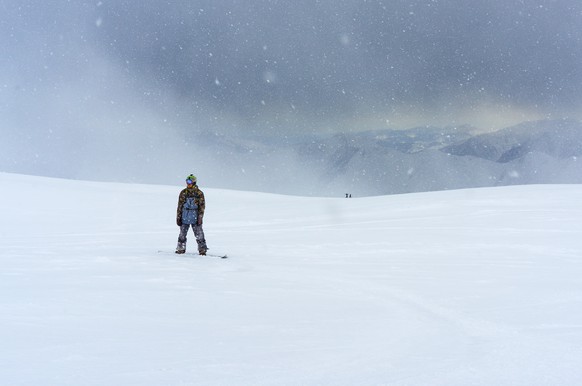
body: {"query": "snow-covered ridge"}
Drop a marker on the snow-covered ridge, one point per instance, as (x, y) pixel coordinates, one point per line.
(477, 286)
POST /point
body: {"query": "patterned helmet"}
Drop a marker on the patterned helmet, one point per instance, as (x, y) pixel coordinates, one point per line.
(191, 179)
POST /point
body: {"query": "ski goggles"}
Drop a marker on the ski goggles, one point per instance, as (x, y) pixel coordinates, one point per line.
(189, 182)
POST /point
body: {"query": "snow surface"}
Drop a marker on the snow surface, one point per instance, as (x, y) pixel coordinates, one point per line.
(478, 286)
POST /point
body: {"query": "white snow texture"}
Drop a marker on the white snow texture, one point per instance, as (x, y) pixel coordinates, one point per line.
(465, 287)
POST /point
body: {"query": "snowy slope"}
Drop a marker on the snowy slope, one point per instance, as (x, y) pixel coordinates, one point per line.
(462, 287)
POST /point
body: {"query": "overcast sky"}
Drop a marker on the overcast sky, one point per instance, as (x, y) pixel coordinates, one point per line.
(301, 63)
(154, 68)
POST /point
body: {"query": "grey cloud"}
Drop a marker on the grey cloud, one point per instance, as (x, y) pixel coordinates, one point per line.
(317, 60)
(330, 57)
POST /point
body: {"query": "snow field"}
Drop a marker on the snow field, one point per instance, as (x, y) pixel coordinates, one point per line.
(478, 286)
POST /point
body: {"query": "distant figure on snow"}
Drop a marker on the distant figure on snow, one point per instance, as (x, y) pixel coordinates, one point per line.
(191, 205)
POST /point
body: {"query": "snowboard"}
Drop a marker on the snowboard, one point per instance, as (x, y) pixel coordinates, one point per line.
(194, 254)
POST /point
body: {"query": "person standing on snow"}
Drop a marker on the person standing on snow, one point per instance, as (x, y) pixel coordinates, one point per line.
(191, 206)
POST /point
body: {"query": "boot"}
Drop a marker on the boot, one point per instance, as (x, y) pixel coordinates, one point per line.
(181, 248)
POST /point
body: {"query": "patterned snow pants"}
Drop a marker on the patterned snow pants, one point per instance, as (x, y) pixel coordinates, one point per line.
(198, 233)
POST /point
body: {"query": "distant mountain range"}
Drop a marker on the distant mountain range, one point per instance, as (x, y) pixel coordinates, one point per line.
(360, 163)
(388, 162)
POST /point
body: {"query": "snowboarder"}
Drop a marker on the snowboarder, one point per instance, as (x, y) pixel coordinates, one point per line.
(191, 206)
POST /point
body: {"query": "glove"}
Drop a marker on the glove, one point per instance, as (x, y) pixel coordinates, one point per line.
(179, 222)
(199, 220)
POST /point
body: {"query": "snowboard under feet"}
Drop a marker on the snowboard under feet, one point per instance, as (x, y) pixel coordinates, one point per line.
(195, 254)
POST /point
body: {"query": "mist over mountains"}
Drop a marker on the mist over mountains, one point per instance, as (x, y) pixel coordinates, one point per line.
(420, 159)
(364, 163)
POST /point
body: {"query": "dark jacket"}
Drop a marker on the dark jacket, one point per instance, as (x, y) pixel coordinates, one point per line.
(198, 195)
